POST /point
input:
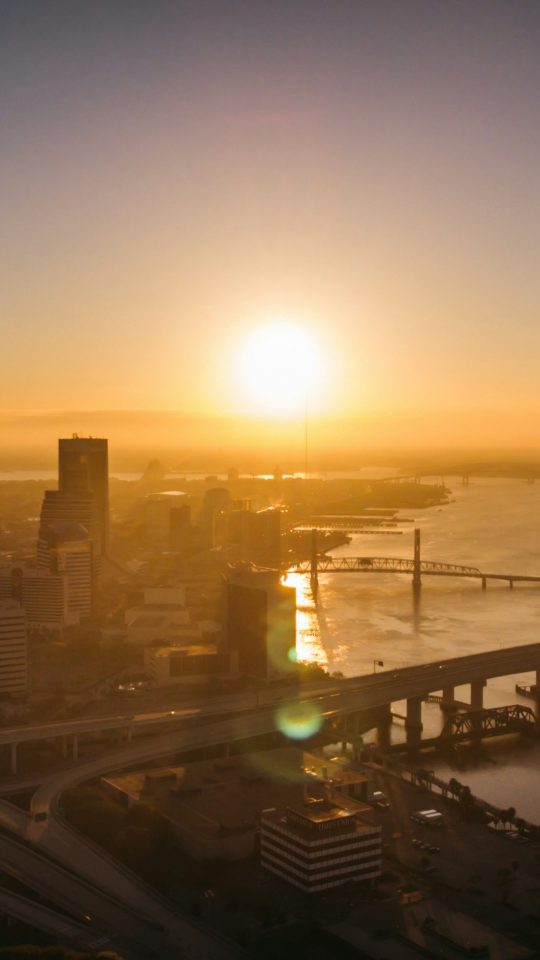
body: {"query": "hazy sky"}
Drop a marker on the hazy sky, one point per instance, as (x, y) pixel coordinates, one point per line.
(174, 174)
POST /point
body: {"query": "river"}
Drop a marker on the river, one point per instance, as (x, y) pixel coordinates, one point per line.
(362, 618)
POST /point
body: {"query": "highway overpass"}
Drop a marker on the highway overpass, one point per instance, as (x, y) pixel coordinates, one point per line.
(343, 696)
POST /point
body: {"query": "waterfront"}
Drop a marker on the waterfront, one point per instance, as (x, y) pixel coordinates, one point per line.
(363, 618)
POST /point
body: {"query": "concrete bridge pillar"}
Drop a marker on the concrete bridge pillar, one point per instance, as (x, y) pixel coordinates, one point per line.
(13, 765)
(417, 578)
(64, 747)
(484, 583)
(413, 723)
(537, 697)
(477, 694)
(75, 747)
(447, 698)
(384, 726)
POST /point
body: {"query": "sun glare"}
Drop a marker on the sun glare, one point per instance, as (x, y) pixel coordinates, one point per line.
(281, 364)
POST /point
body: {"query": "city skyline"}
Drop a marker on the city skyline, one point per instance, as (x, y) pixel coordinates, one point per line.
(179, 175)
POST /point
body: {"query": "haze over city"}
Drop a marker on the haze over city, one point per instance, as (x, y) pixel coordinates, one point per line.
(178, 175)
(269, 479)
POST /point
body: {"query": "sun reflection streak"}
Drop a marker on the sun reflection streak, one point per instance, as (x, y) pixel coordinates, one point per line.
(309, 648)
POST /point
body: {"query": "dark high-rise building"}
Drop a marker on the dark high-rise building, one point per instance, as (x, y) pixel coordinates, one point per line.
(261, 621)
(83, 467)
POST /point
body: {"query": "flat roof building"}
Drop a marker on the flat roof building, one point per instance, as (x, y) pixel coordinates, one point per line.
(260, 621)
(319, 844)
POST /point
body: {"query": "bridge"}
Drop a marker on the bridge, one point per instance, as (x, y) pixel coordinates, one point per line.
(475, 725)
(414, 566)
(489, 723)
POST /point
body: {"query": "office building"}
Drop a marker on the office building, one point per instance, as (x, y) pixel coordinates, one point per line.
(260, 621)
(167, 519)
(215, 500)
(83, 467)
(193, 664)
(79, 508)
(64, 547)
(43, 595)
(319, 844)
(13, 652)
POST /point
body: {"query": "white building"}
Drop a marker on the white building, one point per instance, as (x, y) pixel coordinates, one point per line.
(13, 652)
(320, 844)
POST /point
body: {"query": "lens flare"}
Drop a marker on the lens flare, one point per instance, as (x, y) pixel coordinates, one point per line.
(299, 720)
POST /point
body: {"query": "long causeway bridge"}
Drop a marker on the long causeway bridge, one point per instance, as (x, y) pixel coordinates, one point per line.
(414, 566)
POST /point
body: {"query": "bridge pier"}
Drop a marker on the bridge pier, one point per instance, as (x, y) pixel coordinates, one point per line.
(477, 705)
(13, 763)
(511, 584)
(484, 583)
(477, 694)
(417, 578)
(75, 747)
(314, 577)
(413, 723)
(384, 725)
(447, 701)
(537, 698)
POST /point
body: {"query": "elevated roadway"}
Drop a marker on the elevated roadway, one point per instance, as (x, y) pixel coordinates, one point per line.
(103, 914)
(66, 931)
(374, 689)
(240, 717)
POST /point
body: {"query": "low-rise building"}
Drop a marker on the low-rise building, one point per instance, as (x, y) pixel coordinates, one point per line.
(197, 663)
(319, 844)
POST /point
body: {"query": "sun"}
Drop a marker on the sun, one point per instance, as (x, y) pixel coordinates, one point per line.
(281, 364)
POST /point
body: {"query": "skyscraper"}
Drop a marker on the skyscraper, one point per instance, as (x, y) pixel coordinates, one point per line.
(83, 467)
(261, 621)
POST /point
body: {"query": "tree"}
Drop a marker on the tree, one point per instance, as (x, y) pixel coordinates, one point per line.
(454, 786)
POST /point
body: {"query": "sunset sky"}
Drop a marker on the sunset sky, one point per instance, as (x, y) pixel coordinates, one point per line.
(175, 175)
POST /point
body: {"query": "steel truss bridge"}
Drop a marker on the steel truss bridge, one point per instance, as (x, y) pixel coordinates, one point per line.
(418, 568)
(386, 565)
(489, 723)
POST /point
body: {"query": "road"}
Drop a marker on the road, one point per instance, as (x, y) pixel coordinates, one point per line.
(81, 899)
(243, 716)
(68, 931)
(377, 689)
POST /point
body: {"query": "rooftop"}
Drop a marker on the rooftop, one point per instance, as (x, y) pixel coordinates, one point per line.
(320, 811)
